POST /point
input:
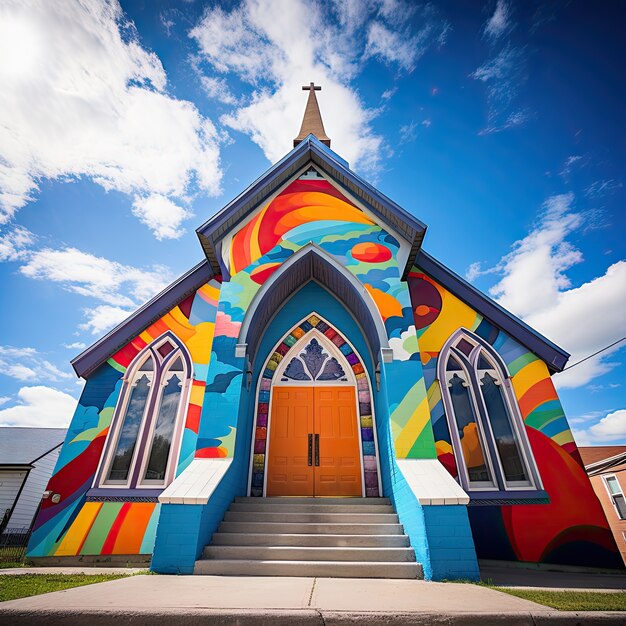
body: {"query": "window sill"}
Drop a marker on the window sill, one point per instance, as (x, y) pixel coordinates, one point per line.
(121, 494)
(504, 498)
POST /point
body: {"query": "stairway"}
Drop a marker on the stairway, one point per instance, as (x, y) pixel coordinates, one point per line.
(327, 537)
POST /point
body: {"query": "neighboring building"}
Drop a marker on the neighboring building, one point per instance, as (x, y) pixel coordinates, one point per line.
(606, 466)
(318, 350)
(27, 458)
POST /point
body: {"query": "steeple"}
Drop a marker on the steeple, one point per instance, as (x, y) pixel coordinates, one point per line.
(312, 120)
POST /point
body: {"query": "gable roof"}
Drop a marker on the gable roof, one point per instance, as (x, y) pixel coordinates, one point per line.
(554, 357)
(24, 446)
(598, 458)
(91, 358)
(309, 150)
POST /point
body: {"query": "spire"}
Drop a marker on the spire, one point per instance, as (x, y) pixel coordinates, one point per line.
(312, 120)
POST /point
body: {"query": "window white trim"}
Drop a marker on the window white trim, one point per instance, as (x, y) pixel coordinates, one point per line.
(605, 478)
(498, 371)
(149, 416)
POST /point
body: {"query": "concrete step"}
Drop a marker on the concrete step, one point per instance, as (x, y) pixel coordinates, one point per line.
(308, 553)
(311, 528)
(337, 541)
(262, 506)
(330, 569)
(311, 518)
(316, 501)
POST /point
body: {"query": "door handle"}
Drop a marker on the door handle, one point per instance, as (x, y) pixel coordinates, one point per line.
(310, 449)
(317, 450)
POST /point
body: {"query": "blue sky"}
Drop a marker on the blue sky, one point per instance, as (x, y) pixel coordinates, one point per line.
(124, 127)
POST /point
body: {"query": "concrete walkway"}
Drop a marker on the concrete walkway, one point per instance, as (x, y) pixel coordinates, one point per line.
(174, 600)
(550, 580)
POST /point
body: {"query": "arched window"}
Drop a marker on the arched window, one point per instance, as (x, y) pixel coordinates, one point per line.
(487, 431)
(144, 437)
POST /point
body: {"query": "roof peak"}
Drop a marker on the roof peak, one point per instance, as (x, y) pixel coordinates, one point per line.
(312, 121)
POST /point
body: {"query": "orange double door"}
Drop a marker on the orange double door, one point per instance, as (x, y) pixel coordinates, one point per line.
(314, 442)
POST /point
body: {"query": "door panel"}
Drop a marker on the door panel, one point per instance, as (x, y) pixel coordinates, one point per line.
(288, 471)
(339, 470)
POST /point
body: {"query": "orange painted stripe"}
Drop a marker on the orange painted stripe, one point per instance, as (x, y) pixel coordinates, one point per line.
(133, 529)
(538, 394)
(158, 328)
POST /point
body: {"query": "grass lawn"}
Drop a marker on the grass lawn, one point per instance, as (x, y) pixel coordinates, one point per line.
(17, 586)
(572, 600)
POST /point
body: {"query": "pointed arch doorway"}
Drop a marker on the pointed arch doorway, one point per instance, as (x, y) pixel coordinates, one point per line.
(314, 432)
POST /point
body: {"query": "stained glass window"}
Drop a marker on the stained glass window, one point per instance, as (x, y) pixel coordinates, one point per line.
(129, 431)
(165, 423)
(154, 395)
(481, 417)
(506, 441)
(314, 363)
(468, 431)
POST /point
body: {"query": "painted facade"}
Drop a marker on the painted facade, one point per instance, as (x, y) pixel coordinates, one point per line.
(319, 254)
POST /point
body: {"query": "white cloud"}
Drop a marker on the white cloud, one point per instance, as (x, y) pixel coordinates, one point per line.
(14, 243)
(4, 400)
(276, 47)
(534, 285)
(217, 88)
(104, 317)
(602, 187)
(81, 97)
(96, 277)
(39, 406)
(27, 364)
(610, 430)
(499, 23)
(162, 216)
(75, 345)
(503, 76)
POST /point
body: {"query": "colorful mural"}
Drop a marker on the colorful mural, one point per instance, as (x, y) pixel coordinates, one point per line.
(368, 446)
(572, 527)
(312, 210)
(78, 526)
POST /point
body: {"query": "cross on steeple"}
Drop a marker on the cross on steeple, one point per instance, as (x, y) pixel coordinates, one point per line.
(312, 120)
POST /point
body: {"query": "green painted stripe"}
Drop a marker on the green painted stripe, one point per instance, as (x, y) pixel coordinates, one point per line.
(521, 362)
(539, 419)
(424, 446)
(101, 527)
(116, 366)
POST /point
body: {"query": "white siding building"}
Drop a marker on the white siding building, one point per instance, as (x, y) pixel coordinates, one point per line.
(27, 459)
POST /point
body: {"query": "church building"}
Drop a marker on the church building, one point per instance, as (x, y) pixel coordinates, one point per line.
(320, 396)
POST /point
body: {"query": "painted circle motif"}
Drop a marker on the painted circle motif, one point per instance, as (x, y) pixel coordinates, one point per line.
(428, 298)
(370, 252)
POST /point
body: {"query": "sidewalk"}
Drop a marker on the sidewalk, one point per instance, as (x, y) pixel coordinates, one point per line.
(182, 600)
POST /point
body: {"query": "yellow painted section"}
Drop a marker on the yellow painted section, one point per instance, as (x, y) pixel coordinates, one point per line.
(255, 250)
(146, 336)
(529, 376)
(454, 315)
(210, 291)
(196, 395)
(563, 437)
(179, 324)
(78, 531)
(434, 395)
(200, 344)
(405, 439)
(443, 447)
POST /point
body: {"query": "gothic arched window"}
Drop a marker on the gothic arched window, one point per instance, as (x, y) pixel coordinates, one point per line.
(487, 431)
(145, 433)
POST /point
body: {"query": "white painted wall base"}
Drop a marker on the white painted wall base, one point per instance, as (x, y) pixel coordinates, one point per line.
(197, 482)
(431, 483)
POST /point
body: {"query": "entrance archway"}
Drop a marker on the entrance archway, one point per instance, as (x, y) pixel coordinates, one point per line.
(314, 423)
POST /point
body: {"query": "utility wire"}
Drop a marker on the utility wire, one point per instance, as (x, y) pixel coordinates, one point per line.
(569, 367)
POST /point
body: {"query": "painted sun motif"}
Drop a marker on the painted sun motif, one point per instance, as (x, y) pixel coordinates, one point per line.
(370, 252)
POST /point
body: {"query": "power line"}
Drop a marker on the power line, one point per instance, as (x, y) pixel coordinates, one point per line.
(569, 367)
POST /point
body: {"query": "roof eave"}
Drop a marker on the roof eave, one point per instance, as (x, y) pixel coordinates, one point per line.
(554, 356)
(91, 358)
